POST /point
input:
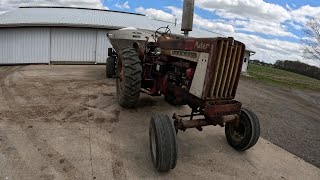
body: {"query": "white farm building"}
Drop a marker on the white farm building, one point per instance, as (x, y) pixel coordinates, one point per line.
(31, 35)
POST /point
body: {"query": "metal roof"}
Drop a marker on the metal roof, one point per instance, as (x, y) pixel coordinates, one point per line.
(54, 16)
(84, 17)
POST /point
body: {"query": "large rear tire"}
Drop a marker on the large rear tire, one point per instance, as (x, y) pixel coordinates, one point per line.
(128, 77)
(163, 145)
(246, 134)
(110, 67)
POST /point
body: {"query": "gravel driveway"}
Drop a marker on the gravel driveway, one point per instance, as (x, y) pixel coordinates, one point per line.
(289, 118)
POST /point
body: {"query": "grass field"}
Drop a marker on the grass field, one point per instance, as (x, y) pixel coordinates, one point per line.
(283, 78)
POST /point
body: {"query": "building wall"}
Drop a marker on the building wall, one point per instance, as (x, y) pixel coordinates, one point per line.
(102, 46)
(28, 45)
(73, 44)
(45, 44)
(245, 61)
(24, 45)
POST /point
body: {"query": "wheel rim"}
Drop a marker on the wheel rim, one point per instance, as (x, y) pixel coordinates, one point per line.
(153, 144)
(115, 66)
(245, 133)
(241, 130)
(238, 132)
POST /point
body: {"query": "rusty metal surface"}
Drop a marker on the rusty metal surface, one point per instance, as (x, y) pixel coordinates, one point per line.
(214, 109)
(189, 44)
(224, 66)
(181, 124)
(223, 69)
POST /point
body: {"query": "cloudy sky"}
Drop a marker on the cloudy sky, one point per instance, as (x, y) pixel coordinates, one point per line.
(272, 28)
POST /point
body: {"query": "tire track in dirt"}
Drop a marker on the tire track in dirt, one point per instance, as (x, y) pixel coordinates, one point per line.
(97, 115)
(118, 167)
(63, 111)
(70, 105)
(4, 73)
(11, 154)
(21, 112)
(53, 158)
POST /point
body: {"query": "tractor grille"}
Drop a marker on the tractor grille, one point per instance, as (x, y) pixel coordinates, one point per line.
(226, 69)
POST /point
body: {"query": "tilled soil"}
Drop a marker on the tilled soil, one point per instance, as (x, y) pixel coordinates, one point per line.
(63, 122)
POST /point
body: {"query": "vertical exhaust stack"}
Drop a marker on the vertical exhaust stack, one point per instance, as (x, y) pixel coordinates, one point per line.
(187, 17)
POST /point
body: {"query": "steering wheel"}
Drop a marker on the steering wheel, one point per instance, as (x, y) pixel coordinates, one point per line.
(167, 31)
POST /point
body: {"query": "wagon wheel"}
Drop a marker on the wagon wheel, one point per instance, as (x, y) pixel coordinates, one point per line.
(163, 146)
(245, 134)
(129, 77)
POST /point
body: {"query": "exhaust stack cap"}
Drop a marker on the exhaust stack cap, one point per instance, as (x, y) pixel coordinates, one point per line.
(187, 16)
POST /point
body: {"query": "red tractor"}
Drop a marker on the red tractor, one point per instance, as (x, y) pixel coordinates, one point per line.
(202, 73)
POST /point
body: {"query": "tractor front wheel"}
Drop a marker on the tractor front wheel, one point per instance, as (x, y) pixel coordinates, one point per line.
(129, 77)
(244, 134)
(163, 146)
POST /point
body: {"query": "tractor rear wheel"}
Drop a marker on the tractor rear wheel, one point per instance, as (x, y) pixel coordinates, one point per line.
(245, 134)
(163, 145)
(110, 66)
(128, 77)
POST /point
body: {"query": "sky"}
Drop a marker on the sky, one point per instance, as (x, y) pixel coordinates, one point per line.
(271, 28)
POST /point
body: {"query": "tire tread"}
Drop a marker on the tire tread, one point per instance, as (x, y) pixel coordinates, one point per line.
(166, 143)
(132, 70)
(255, 132)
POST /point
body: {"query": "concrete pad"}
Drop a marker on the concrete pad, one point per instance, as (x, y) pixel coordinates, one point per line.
(124, 152)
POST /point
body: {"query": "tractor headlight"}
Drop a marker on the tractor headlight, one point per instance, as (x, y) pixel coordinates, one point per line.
(157, 51)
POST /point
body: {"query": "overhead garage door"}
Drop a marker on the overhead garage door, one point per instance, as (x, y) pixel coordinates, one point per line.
(24, 45)
(73, 45)
(27, 45)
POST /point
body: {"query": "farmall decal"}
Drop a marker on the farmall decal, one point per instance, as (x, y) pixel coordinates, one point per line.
(188, 55)
(201, 45)
(184, 53)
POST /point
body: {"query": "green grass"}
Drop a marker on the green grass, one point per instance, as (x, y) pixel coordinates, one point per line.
(283, 78)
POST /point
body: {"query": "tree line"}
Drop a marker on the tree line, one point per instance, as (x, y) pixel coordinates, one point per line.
(311, 50)
(299, 68)
(292, 66)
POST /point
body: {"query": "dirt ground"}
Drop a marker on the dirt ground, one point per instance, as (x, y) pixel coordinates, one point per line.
(63, 122)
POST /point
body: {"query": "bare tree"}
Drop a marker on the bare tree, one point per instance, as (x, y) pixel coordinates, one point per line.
(311, 42)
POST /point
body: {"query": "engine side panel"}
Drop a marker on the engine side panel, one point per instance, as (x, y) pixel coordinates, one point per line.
(199, 75)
